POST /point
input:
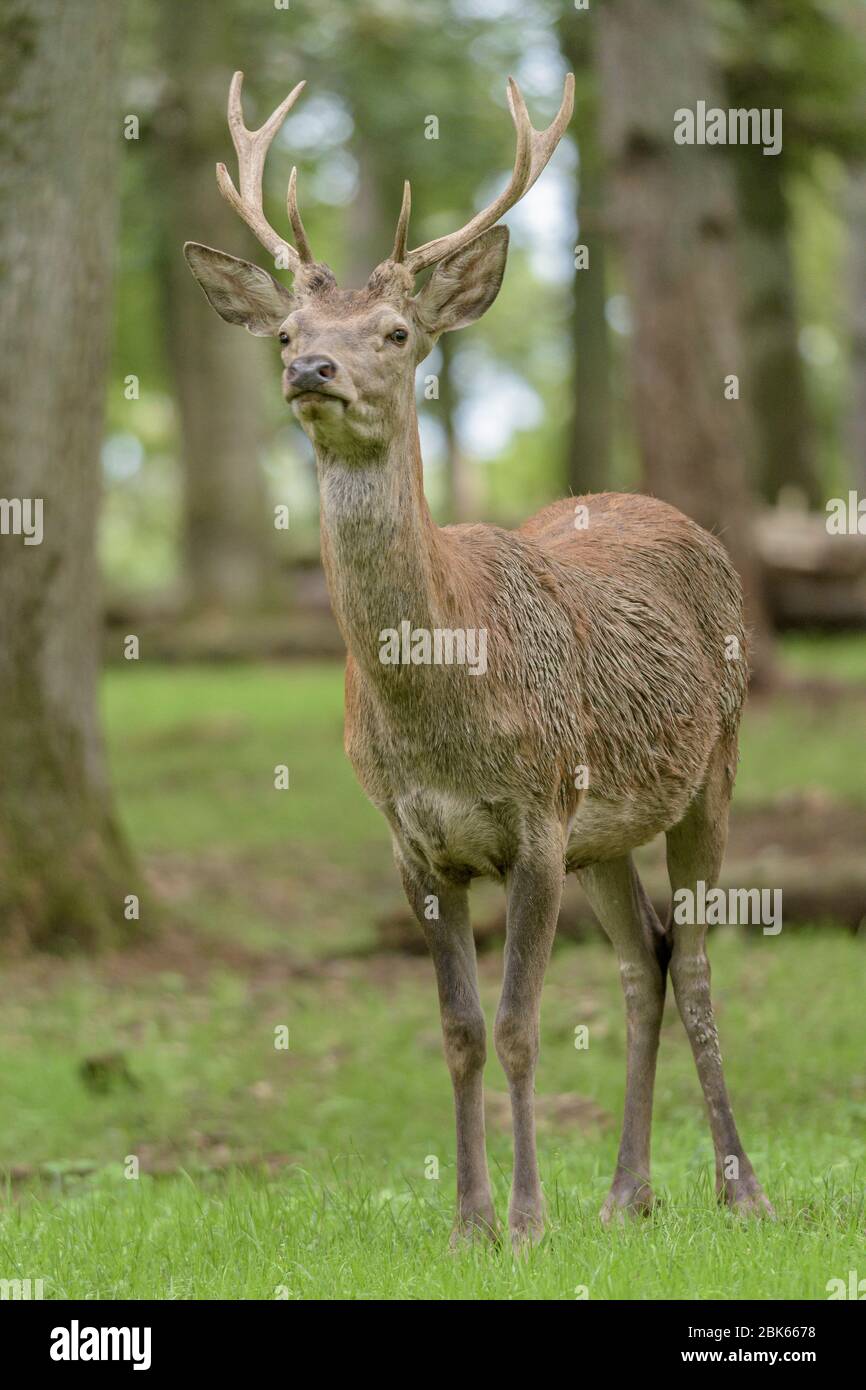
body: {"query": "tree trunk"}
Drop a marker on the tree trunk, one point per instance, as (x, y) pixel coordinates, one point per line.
(368, 231)
(64, 868)
(774, 385)
(458, 499)
(856, 297)
(218, 373)
(588, 461)
(673, 211)
(587, 458)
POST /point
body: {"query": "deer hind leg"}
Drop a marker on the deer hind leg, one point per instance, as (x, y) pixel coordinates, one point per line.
(452, 947)
(694, 852)
(534, 892)
(617, 897)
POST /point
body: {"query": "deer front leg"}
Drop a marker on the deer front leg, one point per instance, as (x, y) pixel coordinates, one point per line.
(534, 891)
(452, 946)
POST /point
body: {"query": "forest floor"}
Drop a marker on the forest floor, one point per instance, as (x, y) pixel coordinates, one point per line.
(159, 1141)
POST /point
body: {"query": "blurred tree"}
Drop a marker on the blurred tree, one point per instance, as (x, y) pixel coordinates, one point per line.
(798, 59)
(854, 33)
(217, 372)
(775, 382)
(65, 869)
(587, 444)
(856, 300)
(673, 213)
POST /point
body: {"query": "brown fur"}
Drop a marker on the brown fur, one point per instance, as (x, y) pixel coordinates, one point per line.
(606, 649)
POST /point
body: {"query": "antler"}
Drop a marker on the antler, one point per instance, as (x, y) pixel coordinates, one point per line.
(252, 147)
(534, 149)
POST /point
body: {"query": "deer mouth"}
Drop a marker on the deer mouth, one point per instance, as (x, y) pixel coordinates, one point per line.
(314, 397)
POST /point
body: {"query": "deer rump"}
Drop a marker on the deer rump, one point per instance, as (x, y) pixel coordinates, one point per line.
(615, 666)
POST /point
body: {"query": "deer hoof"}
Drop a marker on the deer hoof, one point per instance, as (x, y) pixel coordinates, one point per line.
(625, 1201)
(526, 1228)
(475, 1225)
(746, 1197)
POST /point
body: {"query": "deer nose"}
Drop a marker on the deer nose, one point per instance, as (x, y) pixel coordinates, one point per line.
(310, 373)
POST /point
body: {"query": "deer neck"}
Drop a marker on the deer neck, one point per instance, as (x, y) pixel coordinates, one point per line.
(382, 553)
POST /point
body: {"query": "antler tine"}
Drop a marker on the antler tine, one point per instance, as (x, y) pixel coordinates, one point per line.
(298, 229)
(252, 147)
(534, 149)
(399, 252)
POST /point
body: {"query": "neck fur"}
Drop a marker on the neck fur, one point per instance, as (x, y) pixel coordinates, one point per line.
(381, 550)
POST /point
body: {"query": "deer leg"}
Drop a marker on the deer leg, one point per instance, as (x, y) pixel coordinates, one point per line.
(626, 914)
(694, 851)
(534, 891)
(452, 946)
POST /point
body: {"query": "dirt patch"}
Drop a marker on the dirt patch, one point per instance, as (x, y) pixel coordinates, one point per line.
(184, 950)
(562, 1112)
(218, 1158)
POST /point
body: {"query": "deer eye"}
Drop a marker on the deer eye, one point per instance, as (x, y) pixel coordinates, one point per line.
(284, 338)
(399, 335)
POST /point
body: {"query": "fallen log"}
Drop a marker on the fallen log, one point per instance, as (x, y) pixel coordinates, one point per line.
(814, 577)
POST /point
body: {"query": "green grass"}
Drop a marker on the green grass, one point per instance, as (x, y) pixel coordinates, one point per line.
(358, 1105)
(833, 656)
(195, 750)
(249, 1239)
(303, 1173)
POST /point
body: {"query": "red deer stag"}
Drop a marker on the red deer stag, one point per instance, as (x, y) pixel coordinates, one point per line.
(604, 711)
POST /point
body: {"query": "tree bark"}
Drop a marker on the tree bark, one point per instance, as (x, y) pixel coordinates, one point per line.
(588, 459)
(856, 298)
(588, 438)
(64, 867)
(458, 499)
(672, 209)
(774, 385)
(217, 372)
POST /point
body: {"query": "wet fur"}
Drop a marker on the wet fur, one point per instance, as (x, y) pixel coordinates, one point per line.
(606, 650)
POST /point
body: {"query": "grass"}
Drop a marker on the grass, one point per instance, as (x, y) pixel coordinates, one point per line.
(351, 1115)
(304, 1173)
(244, 1238)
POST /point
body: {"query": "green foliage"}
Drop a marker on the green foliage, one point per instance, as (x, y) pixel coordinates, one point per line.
(808, 58)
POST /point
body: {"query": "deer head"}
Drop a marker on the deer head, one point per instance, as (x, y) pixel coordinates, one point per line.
(350, 355)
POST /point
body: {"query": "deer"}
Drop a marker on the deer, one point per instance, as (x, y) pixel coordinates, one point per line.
(608, 651)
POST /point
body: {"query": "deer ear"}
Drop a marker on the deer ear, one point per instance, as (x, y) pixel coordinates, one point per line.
(239, 291)
(464, 286)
